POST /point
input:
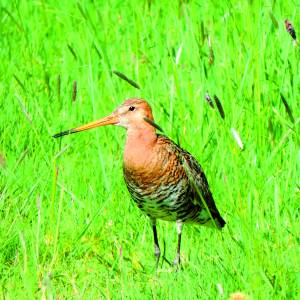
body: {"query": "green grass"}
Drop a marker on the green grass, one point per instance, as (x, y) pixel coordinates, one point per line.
(68, 228)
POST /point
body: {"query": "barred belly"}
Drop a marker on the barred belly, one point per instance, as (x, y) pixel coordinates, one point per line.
(167, 202)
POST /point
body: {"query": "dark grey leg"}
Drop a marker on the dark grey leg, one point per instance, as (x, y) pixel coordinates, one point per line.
(179, 231)
(156, 245)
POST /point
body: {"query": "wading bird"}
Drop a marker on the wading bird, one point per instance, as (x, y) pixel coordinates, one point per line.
(165, 181)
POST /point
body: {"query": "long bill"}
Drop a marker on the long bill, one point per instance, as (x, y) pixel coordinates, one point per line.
(109, 120)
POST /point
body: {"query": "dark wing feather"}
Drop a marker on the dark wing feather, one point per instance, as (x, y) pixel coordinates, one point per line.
(201, 188)
(202, 193)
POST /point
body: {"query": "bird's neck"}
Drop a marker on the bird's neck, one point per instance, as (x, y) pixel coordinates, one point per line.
(139, 147)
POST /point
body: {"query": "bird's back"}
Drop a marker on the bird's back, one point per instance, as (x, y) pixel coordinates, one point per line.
(171, 185)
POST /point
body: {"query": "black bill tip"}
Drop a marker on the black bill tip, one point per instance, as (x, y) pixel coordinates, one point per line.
(67, 132)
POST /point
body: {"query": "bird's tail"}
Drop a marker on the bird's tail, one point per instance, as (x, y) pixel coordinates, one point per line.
(213, 220)
(220, 222)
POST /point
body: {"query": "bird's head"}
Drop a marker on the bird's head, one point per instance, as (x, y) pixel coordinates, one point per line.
(133, 114)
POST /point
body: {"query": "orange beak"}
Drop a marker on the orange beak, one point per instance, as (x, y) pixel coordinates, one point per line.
(109, 120)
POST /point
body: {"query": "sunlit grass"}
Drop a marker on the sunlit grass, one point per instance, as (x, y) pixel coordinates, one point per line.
(68, 227)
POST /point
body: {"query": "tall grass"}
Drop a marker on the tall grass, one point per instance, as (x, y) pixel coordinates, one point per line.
(68, 227)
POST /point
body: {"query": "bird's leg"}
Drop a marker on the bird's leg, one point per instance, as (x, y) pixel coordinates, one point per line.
(156, 245)
(179, 230)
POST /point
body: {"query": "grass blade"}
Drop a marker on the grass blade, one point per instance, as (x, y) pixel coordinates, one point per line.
(273, 19)
(237, 138)
(58, 84)
(19, 82)
(287, 108)
(72, 51)
(211, 57)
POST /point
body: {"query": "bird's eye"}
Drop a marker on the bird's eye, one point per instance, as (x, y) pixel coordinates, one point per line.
(131, 108)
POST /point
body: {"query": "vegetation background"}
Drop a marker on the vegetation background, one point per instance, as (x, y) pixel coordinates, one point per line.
(68, 228)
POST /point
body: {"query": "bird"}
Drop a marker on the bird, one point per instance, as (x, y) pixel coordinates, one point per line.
(165, 181)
